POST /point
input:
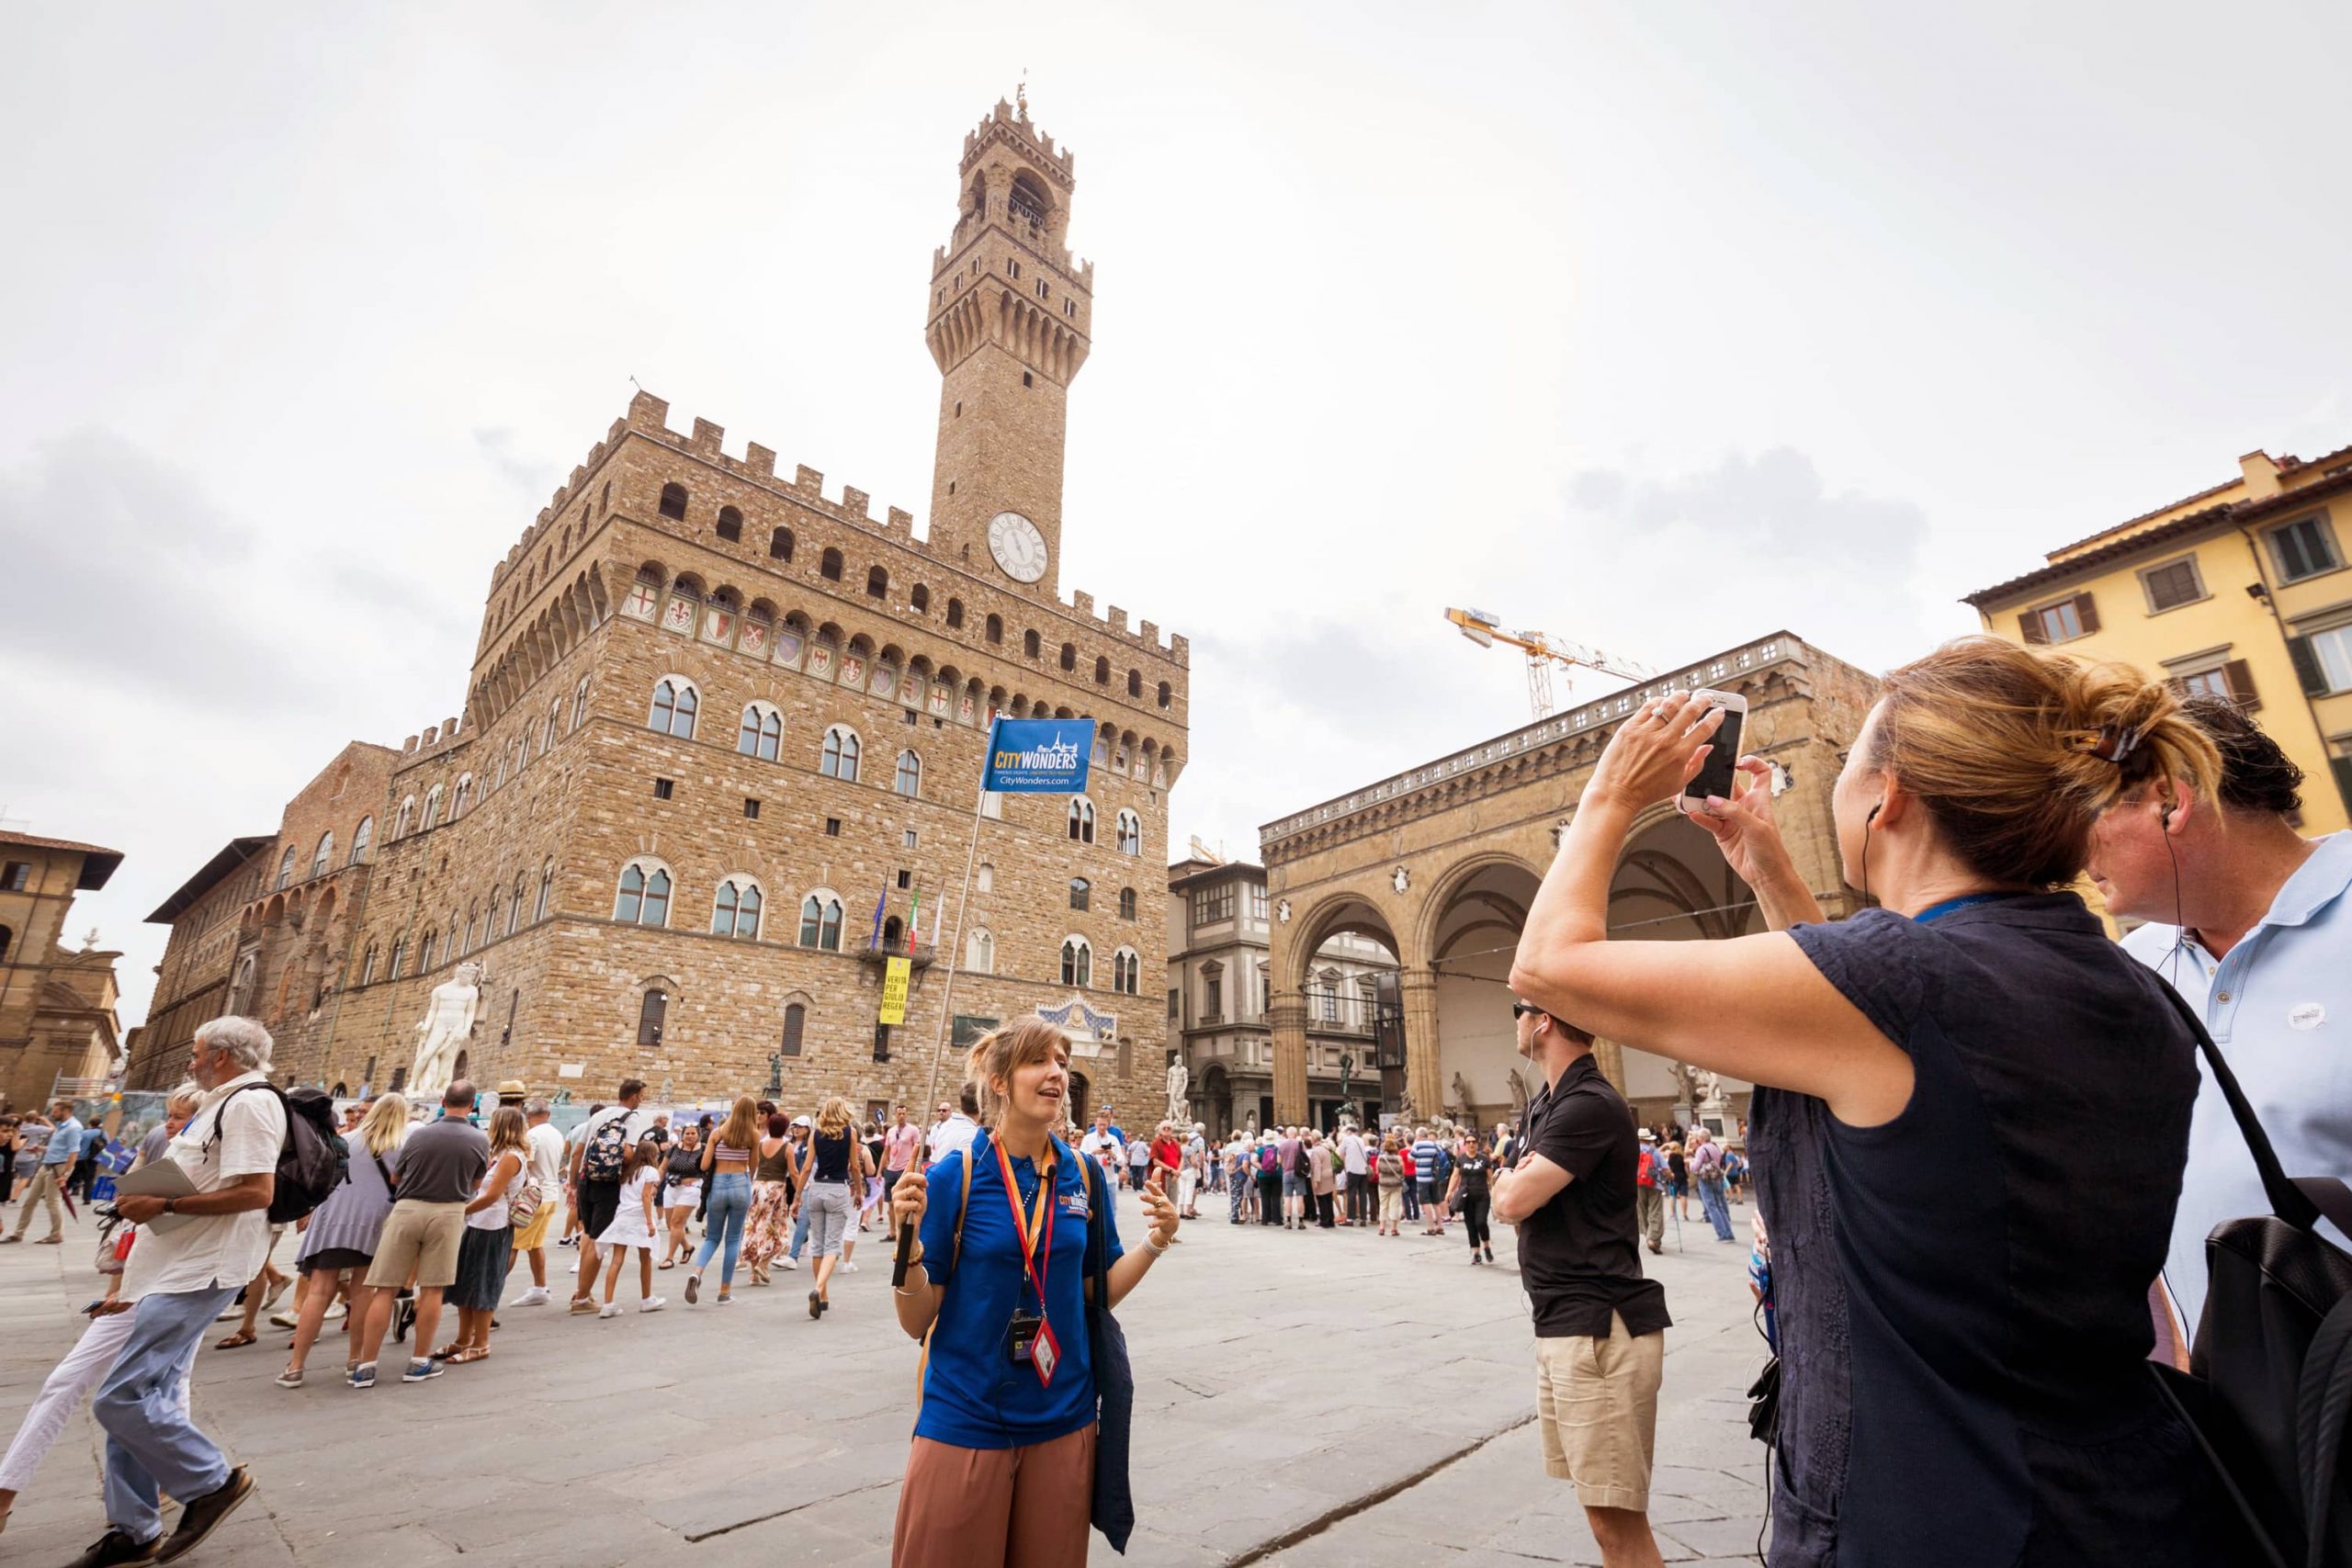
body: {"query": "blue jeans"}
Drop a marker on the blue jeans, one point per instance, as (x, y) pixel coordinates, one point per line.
(729, 1200)
(1718, 1213)
(151, 1446)
(799, 1231)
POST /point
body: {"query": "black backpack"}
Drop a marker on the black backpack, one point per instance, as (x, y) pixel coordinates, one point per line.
(607, 1152)
(311, 1161)
(2270, 1385)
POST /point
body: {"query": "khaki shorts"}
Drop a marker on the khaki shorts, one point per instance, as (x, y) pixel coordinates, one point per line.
(1596, 1401)
(536, 1233)
(422, 1236)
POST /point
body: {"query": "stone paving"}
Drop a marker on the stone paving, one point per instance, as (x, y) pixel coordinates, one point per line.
(1304, 1399)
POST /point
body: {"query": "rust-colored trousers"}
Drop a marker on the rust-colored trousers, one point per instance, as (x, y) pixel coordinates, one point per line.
(996, 1507)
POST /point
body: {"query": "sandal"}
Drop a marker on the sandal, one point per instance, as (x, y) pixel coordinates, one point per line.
(236, 1341)
(448, 1352)
(469, 1354)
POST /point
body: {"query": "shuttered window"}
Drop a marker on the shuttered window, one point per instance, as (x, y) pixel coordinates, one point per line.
(2303, 549)
(2062, 622)
(2173, 583)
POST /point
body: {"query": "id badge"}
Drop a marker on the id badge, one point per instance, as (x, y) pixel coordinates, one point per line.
(1021, 1337)
(1045, 1353)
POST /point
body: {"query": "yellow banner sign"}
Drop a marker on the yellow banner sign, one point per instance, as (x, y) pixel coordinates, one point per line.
(895, 976)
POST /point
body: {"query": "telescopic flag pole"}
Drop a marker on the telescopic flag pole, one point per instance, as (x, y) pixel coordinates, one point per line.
(948, 990)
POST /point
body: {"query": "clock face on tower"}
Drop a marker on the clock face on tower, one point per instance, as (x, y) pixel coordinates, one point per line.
(1019, 547)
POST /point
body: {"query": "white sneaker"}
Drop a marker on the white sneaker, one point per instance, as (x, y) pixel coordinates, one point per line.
(575, 1266)
(848, 1267)
(610, 1309)
(536, 1296)
(653, 1303)
(792, 1263)
(284, 1320)
(336, 1313)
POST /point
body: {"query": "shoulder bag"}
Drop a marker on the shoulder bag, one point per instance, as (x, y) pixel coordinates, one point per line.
(1114, 1510)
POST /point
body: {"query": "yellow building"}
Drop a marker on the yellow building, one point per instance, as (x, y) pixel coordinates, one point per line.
(2240, 590)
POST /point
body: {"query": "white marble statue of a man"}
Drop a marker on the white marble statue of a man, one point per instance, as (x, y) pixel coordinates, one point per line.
(446, 1028)
(1179, 1079)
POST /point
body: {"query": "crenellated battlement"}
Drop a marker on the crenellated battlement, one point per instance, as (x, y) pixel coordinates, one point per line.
(650, 416)
(1011, 123)
(434, 740)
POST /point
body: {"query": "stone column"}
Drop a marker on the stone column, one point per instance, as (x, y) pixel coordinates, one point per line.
(1609, 1058)
(1423, 1081)
(1286, 1015)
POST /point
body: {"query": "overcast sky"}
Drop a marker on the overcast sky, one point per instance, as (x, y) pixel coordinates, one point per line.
(1655, 326)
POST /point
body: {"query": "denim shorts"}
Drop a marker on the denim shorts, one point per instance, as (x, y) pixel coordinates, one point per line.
(1295, 1185)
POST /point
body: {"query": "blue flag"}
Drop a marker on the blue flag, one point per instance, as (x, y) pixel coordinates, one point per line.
(880, 899)
(1039, 756)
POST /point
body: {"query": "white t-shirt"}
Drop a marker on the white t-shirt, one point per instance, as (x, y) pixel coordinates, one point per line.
(1104, 1147)
(493, 1218)
(210, 1251)
(547, 1157)
(957, 1133)
(1352, 1153)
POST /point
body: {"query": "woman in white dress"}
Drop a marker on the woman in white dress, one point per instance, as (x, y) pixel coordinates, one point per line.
(635, 1223)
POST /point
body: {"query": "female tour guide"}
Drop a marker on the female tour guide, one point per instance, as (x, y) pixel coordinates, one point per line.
(1002, 1469)
(1962, 1323)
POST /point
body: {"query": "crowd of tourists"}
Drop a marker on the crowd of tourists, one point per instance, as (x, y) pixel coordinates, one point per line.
(1975, 1365)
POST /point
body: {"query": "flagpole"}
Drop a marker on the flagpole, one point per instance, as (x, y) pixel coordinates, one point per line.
(947, 989)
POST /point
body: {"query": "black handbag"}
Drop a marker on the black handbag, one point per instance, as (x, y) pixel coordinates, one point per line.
(1114, 1510)
(2270, 1385)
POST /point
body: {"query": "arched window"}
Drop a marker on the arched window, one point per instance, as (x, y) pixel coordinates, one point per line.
(893, 929)
(473, 926)
(979, 951)
(674, 702)
(464, 799)
(909, 781)
(644, 896)
(424, 949)
(546, 889)
(838, 760)
(433, 799)
(1082, 893)
(361, 839)
(399, 958)
(1081, 819)
(1126, 903)
(780, 544)
(877, 583)
(956, 614)
(1130, 832)
(995, 628)
(674, 501)
(1029, 644)
(730, 524)
(821, 921)
(555, 721)
(324, 853)
(1070, 655)
(285, 868)
(1127, 970)
(1135, 682)
(503, 755)
(796, 1025)
(1102, 671)
(1078, 962)
(918, 599)
(736, 911)
(829, 566)
(763, 732)
(1165, 693)
(405, 818)
(651, 1013)
(580, 703)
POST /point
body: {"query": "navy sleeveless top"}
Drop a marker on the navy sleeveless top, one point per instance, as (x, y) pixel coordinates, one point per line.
(1963, 1292)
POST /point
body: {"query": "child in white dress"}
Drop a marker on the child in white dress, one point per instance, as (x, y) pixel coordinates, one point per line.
(633, 1226)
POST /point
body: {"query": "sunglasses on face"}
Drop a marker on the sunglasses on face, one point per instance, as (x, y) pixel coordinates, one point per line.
(1521, 1010)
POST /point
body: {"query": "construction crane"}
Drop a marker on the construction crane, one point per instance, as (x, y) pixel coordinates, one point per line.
(1543, 651)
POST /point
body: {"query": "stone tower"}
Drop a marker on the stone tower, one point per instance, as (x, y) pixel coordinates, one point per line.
(1010, 314)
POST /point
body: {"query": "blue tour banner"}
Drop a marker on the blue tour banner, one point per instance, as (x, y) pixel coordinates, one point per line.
(1039, 756)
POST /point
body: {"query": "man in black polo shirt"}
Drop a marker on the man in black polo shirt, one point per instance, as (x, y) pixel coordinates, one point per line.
(1600, 1326)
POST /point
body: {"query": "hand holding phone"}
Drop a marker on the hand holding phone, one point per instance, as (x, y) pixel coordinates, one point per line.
(1715, 776)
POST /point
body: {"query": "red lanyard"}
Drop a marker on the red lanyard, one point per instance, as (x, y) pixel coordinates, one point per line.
(1040, 1227)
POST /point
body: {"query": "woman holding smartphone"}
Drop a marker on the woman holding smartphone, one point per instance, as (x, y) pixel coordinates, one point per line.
(1961, 1335)
(1002, 1469)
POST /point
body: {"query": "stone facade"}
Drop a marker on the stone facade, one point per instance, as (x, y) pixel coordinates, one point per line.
(716, 716)
(57, 1017)
(1220, 988)
(1439, 863)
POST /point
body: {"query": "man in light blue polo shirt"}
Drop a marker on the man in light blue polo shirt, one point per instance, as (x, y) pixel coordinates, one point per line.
(58, 1157)
(2254, 930)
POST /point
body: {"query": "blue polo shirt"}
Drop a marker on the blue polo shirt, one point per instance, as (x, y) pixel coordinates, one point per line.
(973, 1394)
(64, 1143)
(2279, 1006)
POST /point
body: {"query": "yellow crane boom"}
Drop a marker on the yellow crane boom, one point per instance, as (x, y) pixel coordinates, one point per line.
(1543, 651)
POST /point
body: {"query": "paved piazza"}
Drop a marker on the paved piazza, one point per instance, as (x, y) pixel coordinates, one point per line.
(1304, 1399)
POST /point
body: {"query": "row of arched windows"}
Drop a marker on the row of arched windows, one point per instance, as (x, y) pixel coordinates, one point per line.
(676, 703)
(1082, 825)
(1078, 965)
(416, 814)
(498, 914)
(322, 857)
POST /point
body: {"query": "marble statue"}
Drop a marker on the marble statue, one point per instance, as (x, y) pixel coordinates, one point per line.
(1463, 1099)
(446, 1028)
(1518, 1090)
(1179, 1079)
(1711, 1089)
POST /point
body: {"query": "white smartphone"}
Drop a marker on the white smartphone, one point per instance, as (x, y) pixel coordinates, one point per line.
(1715, 774)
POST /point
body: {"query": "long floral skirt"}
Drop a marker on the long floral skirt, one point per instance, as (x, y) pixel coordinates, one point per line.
(768, 1228)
